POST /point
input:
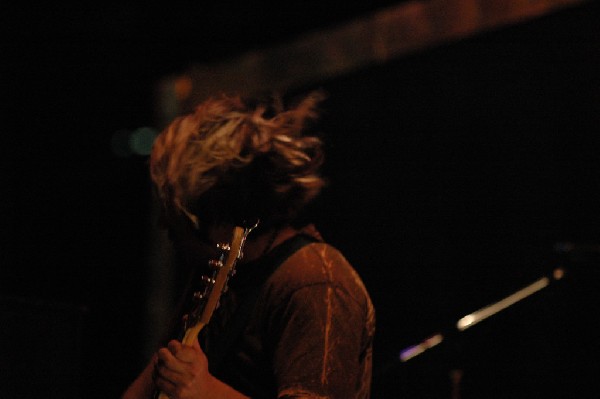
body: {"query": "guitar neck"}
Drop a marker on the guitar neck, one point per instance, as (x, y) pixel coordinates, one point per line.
(191, 334)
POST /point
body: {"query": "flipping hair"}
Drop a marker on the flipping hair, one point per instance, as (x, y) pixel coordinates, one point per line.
(233, 160)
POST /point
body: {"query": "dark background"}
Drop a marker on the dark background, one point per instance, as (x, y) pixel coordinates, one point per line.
(455, 170)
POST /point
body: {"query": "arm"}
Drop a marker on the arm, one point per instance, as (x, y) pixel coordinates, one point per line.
(320, 353)
(321, 322)
(142, 387)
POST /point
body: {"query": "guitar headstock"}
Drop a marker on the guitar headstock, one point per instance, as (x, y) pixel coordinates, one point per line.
(214, 284)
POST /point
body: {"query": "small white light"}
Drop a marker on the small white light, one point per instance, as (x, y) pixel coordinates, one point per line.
(465, 322)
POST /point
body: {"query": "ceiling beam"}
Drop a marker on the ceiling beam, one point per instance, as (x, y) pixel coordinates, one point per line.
(370, 40)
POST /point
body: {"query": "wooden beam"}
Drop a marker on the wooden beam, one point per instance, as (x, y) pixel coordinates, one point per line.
(370, 40)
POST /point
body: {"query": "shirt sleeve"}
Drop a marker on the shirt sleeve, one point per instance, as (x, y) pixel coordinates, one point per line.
(319, 344)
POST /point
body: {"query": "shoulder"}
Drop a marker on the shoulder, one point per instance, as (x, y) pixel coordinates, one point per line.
(316, 262)
(314, 290)
(312, 266)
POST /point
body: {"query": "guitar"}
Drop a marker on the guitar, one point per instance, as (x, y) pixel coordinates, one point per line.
(206, 301)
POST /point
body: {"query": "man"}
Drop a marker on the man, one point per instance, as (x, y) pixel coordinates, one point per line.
(296, 321)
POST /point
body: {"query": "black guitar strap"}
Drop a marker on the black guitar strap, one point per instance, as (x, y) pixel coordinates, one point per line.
(241, 316)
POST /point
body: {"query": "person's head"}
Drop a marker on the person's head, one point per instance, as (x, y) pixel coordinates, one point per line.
(234, 160)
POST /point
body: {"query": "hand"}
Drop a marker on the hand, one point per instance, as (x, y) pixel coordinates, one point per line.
(182, 371)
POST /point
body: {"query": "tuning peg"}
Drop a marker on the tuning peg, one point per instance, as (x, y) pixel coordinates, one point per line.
(208, 280)
(198, 296)
(215, 264)
(223, 246)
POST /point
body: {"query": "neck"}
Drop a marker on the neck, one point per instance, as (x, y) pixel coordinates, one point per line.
(262, 244)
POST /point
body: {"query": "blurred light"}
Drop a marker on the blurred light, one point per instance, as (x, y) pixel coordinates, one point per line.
(465, 322)
(141, 140)
(490, 310)
(415, 350)
(125, 142)
(558, 273)
(183, 87)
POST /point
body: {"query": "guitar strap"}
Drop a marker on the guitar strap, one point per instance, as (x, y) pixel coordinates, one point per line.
(241, 316)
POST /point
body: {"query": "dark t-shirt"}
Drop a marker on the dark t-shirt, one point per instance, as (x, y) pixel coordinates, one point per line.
(308, 333)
